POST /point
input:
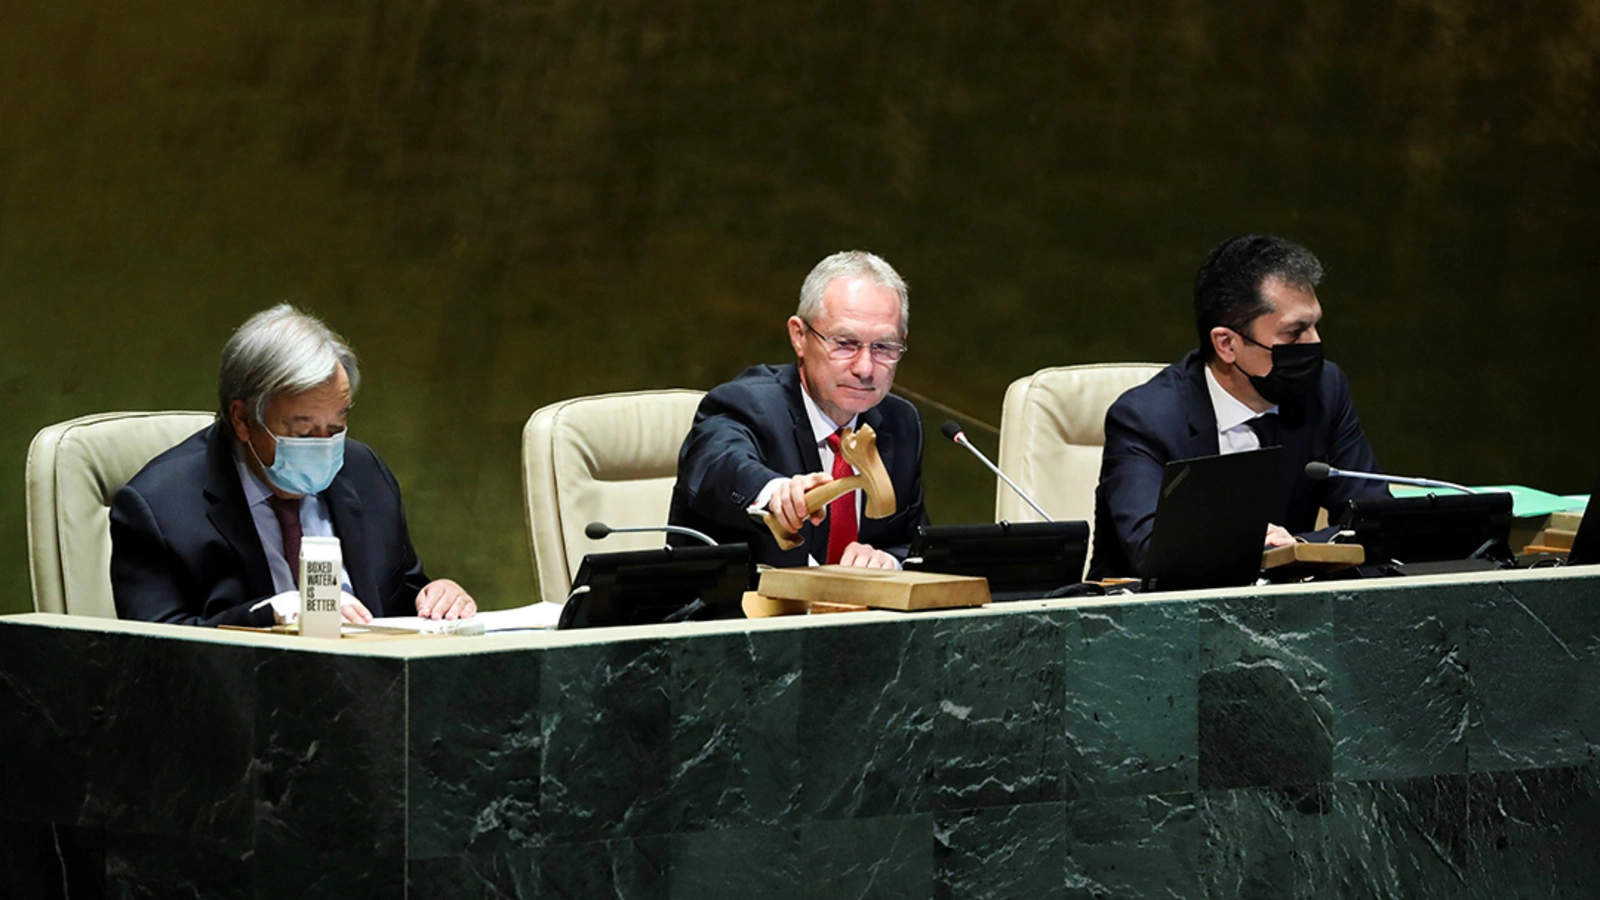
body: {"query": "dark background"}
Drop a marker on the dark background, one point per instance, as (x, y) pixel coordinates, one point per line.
(504, 204)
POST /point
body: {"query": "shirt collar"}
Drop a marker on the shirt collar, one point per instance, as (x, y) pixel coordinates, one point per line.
(821, 425)
(1230, 410)
(255, 493)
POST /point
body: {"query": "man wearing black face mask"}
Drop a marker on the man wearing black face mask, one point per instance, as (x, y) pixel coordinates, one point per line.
(1257, 380)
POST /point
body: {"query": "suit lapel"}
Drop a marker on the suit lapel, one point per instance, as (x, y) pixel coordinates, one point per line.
(229, 512)
(344, 508)
(1202, 416)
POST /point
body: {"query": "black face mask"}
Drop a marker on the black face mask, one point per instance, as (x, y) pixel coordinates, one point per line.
(1296, 371)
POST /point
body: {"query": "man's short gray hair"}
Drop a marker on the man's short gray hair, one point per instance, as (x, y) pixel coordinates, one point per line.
(852, 264)
(280, 351)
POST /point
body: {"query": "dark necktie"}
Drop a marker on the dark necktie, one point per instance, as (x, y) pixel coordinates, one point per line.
(288, 513)
(841, 512)
(1266, 429)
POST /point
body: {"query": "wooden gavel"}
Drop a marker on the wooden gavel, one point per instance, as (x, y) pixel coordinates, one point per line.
(860, 449)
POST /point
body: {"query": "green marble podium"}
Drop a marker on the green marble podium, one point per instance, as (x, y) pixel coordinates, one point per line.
(1427, 738)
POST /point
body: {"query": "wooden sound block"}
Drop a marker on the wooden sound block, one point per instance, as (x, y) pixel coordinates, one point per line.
(757, 606)
(1566, 521)
(1559, 538)
(877, 588)
(1313, 557)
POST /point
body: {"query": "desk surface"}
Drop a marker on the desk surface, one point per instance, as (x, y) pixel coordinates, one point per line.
(519, 640)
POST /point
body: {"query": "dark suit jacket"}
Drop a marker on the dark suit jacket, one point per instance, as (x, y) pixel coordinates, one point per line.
(184, 548)
(754, 429)
(1171, 417)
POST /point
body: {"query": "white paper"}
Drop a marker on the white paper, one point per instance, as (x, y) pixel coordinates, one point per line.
(532, 616)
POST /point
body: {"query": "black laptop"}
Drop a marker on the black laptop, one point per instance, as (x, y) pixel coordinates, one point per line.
(1211, 521)
(672, 584)
(1021, 560)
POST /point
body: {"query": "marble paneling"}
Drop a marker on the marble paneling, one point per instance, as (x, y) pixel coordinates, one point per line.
(735, 731)
(1264, 716)
(625, 869)
(1149, 748)
(867, 719)
(882, 858)
(1131, 702)
(474, 746)
(160, 867)
(53, 685)
(1534, 660)
(1399, 679)
(330, 775)
(507, 875)
(605, 721)
(1265, 843)
(48, 861)
(760, 862)
(197, 780)
(1133, 846)
(998, 710)
(1001, 853)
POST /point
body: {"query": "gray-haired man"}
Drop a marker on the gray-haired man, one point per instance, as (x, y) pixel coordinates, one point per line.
(211, 528)
(761, 441)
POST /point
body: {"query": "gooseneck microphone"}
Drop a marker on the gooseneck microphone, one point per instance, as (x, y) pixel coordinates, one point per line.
(953, 432)
(1321, 470)
(596, 531)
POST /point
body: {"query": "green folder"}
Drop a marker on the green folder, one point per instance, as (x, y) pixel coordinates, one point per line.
(1526, 502)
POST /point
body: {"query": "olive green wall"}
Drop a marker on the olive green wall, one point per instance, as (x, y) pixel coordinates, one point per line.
(503, 204)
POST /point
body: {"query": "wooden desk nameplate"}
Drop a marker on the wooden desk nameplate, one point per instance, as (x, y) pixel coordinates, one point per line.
(843, 588)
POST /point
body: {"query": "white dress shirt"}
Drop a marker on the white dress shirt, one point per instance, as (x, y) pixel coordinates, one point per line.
(1234, 434)
(821, 428)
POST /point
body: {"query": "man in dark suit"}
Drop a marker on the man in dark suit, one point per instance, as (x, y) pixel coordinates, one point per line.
(1258, 379)
(761, 441)
(209, 532)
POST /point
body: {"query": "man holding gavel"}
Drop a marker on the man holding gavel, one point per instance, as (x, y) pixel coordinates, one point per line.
(762, 441)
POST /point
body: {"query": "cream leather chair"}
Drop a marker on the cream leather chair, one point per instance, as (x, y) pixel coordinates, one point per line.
(74, 469)
(1052, 429)
(611, 458)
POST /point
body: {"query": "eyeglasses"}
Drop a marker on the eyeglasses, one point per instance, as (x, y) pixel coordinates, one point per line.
(848, 348)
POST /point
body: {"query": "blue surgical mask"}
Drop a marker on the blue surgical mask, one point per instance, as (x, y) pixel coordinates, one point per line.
(304, 465)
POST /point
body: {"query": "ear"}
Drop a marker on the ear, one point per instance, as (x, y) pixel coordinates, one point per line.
(797, 336)
(1225, 343)
(239, 419)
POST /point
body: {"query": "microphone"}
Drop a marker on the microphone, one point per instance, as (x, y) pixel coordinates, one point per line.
(1321, 470)
(596, 531)
(953, 432)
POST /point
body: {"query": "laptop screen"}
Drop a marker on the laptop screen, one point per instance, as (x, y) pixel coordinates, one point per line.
(1211, 521)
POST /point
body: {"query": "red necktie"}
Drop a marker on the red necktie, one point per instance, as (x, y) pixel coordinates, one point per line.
(841, 512)
(288, 513)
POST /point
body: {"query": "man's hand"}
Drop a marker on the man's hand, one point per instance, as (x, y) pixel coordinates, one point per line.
(352, 610)
(286, 608)
(1278, 536)
(444, 599)
(858, 554)
(788, 501)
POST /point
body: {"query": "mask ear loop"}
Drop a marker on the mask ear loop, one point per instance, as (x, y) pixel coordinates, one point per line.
(1247, 339)
(265, 469)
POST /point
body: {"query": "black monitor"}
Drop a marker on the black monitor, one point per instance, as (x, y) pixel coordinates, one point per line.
(1429, 528)
(1020, 559)
(644, 587)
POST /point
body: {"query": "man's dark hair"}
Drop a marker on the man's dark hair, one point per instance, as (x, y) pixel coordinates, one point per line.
(1227, 289)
